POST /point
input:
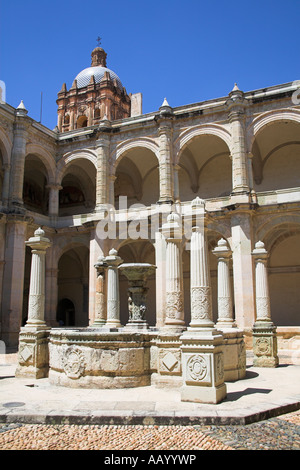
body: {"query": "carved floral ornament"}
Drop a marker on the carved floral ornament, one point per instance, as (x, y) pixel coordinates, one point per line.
(197, 367)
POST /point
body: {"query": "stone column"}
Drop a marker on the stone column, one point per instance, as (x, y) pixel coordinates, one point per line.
(165, 132)
(225, 310)
(201, 301)
(100, 304)
(36, 305)
(202, 344)
(264, 331)
(113, 262)
(172, 231)
(160, 278)
(236, 105)
(33, 358)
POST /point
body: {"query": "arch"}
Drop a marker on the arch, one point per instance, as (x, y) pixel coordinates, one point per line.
(82, 121)
(5, 147)
(267, 118)
(124, 147)
(35, 191)
(70, 157)
(270, 231)
(66, 244)
(46, 158)
(78, 180)
(136, 172)
(275, 151)
(204, 165)
(207, 129)
(283, 246)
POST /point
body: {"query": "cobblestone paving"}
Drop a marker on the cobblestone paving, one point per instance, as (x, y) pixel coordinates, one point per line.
(281, 433)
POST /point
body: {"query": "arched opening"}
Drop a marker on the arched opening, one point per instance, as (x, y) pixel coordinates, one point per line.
(284, 280)
(97, 113)
(137, 178)
(82, 121)
(276, 156)
(78, 193)
(73, 287)
(141, 251)
(35, 192)
(204, 169)
(65, 314)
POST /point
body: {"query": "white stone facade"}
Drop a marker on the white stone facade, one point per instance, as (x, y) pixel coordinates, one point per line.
(113, 186)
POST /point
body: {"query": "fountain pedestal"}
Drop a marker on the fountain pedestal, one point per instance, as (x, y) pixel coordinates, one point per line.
(137, 274)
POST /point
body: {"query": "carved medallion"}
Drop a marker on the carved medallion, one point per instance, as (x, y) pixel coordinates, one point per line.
(197, 367)
(74, 363)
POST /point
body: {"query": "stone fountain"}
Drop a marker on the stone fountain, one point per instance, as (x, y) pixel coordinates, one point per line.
(137, 274)
(106, 354)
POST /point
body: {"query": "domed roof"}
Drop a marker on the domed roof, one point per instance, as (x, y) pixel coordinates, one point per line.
(84, 77)
(97, 69)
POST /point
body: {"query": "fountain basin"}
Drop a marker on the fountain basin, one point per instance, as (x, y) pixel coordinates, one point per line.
(90, 358)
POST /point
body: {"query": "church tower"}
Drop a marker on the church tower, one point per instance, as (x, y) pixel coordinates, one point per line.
(96, 92)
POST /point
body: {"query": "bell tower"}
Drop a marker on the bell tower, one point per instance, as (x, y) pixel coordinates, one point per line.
(96, 92)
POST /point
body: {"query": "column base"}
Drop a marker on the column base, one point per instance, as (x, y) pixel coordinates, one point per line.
(98, 323)
(203, 366)
(136, 326)
(265, 344)
(209, 395)
(33, 354)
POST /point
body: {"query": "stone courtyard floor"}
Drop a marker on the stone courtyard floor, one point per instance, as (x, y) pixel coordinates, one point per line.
(36, 416)
(281, 433)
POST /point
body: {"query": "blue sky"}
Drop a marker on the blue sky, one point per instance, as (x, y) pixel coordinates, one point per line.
(187, 51)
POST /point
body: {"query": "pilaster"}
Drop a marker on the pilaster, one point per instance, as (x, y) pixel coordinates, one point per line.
(165, 132)
(102, 149)
(18, 156)
(236, 113)
(13, 278)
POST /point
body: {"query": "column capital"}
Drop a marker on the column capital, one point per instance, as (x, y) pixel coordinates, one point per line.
(113, 260)
(54, 186)
(260, 253)
(222, 250)
(172, 229)
(101, 264)
(38, 241)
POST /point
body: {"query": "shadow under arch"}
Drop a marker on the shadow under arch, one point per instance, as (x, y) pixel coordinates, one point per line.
(204, 166)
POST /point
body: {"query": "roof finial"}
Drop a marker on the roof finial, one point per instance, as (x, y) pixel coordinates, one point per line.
(98, 41)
